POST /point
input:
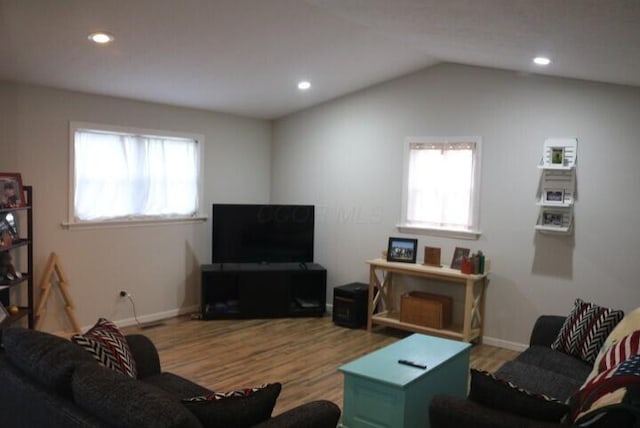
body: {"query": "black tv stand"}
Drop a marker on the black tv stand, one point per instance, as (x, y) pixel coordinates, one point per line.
(263, 290)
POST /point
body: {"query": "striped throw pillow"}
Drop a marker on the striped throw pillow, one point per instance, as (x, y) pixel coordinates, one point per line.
(585, 330)
(108, 346)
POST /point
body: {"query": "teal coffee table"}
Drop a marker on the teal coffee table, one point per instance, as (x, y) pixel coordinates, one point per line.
(380, 392)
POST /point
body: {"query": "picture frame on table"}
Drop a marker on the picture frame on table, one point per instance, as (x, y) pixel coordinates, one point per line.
(402, 250)
(553, 196)
(432, 256)
(12, 191)
(458, 254)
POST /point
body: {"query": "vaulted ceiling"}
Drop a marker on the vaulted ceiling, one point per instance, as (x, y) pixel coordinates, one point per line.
(246, 56)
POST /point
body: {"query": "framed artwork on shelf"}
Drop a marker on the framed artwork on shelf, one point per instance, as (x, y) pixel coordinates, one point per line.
(402, 250)
(557, 155)
(432, 256)
(552, 218)
(553, 196)
(458, 254)
(12, 195)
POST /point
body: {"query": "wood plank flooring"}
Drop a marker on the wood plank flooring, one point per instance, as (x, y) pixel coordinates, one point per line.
(302, 353)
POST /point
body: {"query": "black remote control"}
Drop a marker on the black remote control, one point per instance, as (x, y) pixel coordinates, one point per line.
(412, 364)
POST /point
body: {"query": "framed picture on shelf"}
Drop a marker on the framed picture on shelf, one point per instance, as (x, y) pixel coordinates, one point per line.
(552, 218)
(458, 254)
(432, 256)
(557, 155)
(402, 250)
(12, 195)
(553, 196)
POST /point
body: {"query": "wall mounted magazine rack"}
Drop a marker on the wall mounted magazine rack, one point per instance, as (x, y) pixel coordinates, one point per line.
(557, 191)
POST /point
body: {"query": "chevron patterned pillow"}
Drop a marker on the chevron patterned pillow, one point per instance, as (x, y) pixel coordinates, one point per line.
(106, 343)
(239, 409)
(585, 330)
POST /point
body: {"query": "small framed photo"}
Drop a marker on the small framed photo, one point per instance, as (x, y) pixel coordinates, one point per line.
(553, 196)
(12, 195)
(458, 254)
(432, 256)
(551, 218)
(557, 155)
(402, 250)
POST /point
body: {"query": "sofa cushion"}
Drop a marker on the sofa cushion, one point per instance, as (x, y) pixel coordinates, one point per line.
(585, 330)
(556, 362)
(45, 358)
(125, 402)
(238, 409)
(539, 380)
(108, 346)
(614, 390)
(500, 394)
(176, 386)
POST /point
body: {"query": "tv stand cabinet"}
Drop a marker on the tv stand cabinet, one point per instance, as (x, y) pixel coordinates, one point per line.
(256, 290)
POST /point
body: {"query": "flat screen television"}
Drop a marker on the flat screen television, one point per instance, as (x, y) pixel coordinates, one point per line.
(244, 233)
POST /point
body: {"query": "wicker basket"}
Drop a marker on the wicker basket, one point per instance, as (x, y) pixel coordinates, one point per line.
(425, 309)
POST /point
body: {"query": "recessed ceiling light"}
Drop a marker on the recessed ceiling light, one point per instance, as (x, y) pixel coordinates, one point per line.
(304, 85)
(540, 60)
(101, 37)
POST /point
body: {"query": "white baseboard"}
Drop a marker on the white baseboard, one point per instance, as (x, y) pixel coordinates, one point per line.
(145, 319)
(506, 344)
(158, 316)
(329, 308)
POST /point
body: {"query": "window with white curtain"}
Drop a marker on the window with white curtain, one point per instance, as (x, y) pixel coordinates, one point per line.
(124, 174)
(441, 185)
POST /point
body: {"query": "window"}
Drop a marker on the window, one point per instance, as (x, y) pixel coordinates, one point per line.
(441, 185)
(120, 174)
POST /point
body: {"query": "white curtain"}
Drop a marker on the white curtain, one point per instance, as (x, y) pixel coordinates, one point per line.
(441, 184)
(129, 176)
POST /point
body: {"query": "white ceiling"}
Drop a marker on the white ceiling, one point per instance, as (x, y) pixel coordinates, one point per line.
(246, 56)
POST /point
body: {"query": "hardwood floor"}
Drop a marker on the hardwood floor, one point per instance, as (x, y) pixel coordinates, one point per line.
(303, 354)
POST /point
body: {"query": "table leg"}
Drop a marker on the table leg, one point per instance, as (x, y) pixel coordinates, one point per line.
(468, 310)
(372, 289)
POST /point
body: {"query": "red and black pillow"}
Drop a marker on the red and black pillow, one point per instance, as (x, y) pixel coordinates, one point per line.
(240, 408)
(108, 346)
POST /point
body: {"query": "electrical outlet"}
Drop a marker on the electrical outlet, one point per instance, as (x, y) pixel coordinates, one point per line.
(124, 294)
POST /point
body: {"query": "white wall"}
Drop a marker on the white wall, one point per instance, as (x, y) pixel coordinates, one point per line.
(346, 157)
(158, 265)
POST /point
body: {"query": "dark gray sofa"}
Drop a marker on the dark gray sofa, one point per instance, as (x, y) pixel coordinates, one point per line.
(538, 369)
(48, 381)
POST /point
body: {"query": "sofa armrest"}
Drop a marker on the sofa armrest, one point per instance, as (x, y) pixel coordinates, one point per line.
(316, 414)
(546, 330)
(446, 412)
(145, 354)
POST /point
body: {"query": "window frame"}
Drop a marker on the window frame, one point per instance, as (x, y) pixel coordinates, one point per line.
(474, 231)
(120, 222)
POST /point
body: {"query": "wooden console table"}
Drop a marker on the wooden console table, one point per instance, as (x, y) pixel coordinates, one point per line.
(381, 274)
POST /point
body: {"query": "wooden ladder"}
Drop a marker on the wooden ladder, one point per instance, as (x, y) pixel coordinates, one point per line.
(47, 283)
